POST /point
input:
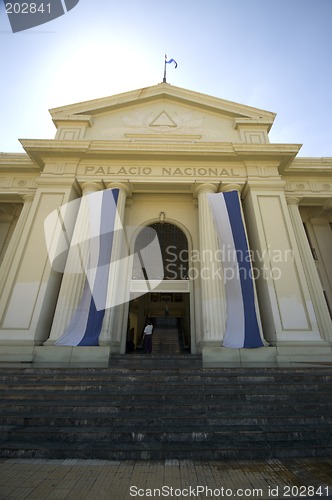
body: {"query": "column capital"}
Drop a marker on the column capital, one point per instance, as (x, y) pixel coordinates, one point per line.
(205, 188)
(90, 187)
(293, 200)
(225, 188)
(28, 198)
(124, 186)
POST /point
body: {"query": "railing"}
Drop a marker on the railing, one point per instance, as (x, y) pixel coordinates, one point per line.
(182, 336)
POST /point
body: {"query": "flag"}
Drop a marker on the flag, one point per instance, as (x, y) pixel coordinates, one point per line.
(85, 325)
(242, 322)
(171, 61)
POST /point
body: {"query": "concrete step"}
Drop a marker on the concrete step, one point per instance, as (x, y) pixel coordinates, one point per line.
(141, 387)
(170, 403)
(224, 435)
(137, 421)
(179, 371)
(193, 450)
(146, 410)
(292, 373)
(103, 415)
(165, 376)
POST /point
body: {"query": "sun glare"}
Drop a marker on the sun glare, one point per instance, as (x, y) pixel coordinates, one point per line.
(90, 69)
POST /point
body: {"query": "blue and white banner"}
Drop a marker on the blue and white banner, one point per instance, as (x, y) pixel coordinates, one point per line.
(85, 324)
(243, 328)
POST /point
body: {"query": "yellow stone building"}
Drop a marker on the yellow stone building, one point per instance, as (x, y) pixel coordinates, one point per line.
(166, 149)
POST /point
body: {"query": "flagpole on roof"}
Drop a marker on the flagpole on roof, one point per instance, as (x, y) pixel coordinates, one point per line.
(168, 62)
(164, 79)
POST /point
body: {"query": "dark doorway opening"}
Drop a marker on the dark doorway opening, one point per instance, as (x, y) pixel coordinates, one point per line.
(170, 316)
(168, 310)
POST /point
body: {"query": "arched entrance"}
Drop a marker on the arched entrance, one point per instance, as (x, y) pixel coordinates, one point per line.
(168, 305)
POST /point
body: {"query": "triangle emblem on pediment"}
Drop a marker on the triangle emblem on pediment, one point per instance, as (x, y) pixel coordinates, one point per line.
(163, 120)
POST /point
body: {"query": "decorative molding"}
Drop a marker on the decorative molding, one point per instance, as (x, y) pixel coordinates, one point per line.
(7, 182)
(163, 120)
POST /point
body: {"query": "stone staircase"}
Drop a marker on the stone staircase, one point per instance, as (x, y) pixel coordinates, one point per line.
(166, 336)
(160, 408)
(166, 340)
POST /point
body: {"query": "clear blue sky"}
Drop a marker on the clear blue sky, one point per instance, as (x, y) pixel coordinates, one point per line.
(270, 54)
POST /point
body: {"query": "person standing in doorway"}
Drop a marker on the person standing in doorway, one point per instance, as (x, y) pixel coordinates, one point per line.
(148, 337)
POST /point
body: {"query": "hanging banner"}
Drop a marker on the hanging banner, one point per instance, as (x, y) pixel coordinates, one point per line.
(86, 322)
(242, 323)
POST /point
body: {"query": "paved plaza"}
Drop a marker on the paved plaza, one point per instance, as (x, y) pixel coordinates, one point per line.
(39, 479)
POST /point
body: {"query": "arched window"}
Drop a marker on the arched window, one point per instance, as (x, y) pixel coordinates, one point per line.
(174, 250)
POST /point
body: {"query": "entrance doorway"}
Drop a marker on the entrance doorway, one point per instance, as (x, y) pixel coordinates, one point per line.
(170, 316)
(168, 305)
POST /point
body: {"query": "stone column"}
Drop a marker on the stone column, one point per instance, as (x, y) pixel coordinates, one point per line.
(74, 274)
(14, 241)
(112, 329)
(314, 284)
(212, 289)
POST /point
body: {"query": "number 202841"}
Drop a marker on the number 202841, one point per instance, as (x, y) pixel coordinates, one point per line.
(28, 8)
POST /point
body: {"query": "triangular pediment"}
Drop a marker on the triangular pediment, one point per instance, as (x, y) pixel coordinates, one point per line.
(162, 91)
(159, 110)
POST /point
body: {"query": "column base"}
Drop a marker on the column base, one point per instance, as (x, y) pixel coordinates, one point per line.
(310, 354)
(304, 352)
(16, 353)
(54, 356)
(115, 347)
(224, 357)
(67, 356)
(207, 344)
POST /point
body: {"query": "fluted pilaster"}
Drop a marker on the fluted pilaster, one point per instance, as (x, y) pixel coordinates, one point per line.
(314, 284)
